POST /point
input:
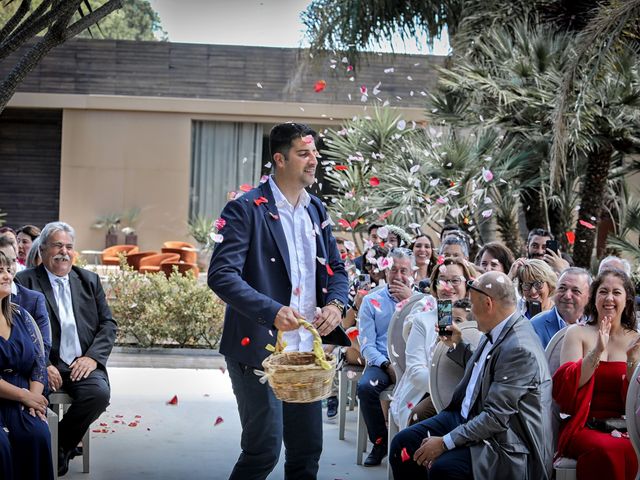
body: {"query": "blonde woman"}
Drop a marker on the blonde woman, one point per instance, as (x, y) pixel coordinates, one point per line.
(536, 283)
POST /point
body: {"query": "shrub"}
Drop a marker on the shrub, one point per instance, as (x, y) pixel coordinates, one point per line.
(154, 310)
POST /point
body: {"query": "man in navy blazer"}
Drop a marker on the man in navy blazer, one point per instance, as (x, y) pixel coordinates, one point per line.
(570, 298)
(32, 301)
(277, 261)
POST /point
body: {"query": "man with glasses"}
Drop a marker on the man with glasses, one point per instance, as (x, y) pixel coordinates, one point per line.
(498, 424)
(376, 311)
(83, 334)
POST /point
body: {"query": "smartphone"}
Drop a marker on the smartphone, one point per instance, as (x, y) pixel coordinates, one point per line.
(533, 308)
(553, 245)
(445, 316)
(364, 281)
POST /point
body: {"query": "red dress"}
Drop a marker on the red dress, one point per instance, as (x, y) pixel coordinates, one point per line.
(600, 456)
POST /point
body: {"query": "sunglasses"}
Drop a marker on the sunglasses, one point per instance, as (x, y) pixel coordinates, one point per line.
(471, 286)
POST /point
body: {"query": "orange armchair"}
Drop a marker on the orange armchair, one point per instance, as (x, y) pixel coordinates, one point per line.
(133, 259)
(183, 268)
(187, 254)
(110, 254)
(151, 264)
(173, 244)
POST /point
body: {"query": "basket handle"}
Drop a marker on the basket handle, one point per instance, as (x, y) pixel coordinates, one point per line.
(317, 343)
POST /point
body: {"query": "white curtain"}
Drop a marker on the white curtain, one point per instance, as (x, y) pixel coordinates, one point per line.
(224, 156)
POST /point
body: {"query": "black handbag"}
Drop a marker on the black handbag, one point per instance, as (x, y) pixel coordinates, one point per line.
(607, 425)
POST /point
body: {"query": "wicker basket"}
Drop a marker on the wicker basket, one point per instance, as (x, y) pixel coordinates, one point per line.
(299, 377)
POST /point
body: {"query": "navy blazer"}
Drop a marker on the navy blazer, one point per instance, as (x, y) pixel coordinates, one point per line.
(96, 327)
(546, 325)
(250, 271)
(35, 303)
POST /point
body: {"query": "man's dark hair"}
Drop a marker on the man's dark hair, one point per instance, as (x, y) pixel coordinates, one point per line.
(283, 135)
(373, 226)
(465, 304)
(539, 232)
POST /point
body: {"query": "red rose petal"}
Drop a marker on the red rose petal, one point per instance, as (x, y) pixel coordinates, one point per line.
(245, 341)
(586, 224)
(103, 424)
(245, 187)
(341, 168)
(218, 421)
(260, 200)
(319, 86)
(353, 333)
(404, 455)
(385, 214)
(343, 223)
(571, 237)
(374, 181)
(133, 424)
(173, 401)
(354, 224)
(329, 270)
(409, 405)
(375, 303)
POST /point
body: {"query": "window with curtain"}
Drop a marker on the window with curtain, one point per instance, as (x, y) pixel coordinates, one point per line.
(224, 155)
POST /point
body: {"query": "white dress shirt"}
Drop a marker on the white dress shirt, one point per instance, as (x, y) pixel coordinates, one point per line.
(475, 375)
(301, 244)
(69, 317)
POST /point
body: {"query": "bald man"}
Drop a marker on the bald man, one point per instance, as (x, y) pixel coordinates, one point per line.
(498, 424)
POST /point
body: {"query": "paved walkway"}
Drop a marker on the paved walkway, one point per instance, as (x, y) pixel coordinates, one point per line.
(183, 441)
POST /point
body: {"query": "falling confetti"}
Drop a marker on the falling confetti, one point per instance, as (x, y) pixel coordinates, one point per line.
(245, 187)
(220, 223)
(218, 421)
(487, 175)
(319, 86)
(571, 237)
(375, 303)
(404, 455)
(586, 224)
(353, 333)
(260, 200)
(379, 441)
(374, 181)
(341, 168)
(173, 401)
(329, 270)
(216, 237)
(308, 139)
(245, 341)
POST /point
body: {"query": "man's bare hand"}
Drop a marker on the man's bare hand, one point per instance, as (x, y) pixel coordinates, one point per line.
(450, 340)
(429, 451)
(555, 261)
(55, 380)
(81, 367)
(400, 290)
(287, 319)
(328, 319)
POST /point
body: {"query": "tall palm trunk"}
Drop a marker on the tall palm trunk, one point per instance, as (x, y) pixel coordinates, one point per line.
(591, 198)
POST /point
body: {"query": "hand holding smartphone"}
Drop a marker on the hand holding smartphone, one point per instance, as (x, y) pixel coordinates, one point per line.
(553, 245)
(445, 317)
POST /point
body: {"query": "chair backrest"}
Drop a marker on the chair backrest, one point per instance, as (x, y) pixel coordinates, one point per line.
(187, 255)
(554, 347)
(176, 244)
(133, 259)
(445, 374)
(157, 259)
(632, 411)
(114, 250)
(396, 344)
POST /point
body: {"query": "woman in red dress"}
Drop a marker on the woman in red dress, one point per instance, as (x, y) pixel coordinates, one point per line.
(597, 360)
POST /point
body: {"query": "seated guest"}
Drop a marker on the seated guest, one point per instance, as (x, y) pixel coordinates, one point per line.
(375, 315)
(10, 235)
(83, 333)
(536, 283)
(612, 262)
(598, 359)
(33, 257)
(25, 441)
(456, 247)
(499, 421)
(26, 236)
(495, 257)
(33, 302)
(424, 254)
(570, 298)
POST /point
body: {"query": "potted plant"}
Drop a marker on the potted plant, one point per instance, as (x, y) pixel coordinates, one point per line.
(201, 228)
(110, 223)
(129, 220)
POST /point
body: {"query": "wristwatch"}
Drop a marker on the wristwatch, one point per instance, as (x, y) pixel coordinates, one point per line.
(337, 303)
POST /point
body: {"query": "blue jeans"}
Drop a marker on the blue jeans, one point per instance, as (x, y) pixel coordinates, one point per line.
(374, 380)
(266, 421)
(452, 464)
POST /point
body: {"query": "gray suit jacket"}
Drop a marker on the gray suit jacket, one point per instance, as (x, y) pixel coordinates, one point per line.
(509, 425)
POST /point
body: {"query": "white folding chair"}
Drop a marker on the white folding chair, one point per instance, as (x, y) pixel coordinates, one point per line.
(445, 374)
(60, 402)
(632, 412)
(348, 377)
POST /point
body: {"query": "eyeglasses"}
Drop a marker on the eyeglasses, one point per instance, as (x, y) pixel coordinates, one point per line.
(526, 286)
(59, 245)
(453, 282)
(471, 286)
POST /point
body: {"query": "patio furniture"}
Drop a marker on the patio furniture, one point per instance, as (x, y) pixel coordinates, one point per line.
(175, 244)
(133, 259)
(151, 264)
(183, 268)
(187, 254)
(110, 254)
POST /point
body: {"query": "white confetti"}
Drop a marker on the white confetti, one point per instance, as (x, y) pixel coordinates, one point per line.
(389, 70)
(373, 383)
(321, 260)
(401, 125)
(383, 232)
(259, 85)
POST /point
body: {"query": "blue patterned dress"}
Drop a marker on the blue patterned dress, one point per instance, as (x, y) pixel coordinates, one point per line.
(25, 441)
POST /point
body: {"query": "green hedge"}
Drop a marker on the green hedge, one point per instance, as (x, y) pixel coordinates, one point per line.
(153, 310)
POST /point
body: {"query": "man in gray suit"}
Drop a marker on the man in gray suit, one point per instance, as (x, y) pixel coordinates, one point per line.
(498, 424)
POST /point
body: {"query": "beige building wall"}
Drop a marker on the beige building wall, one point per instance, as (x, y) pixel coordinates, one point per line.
(113, 161)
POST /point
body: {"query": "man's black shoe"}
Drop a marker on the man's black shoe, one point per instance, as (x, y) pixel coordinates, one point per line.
(63, 461)
(76, 452)
(332, 407)
(378, 452)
